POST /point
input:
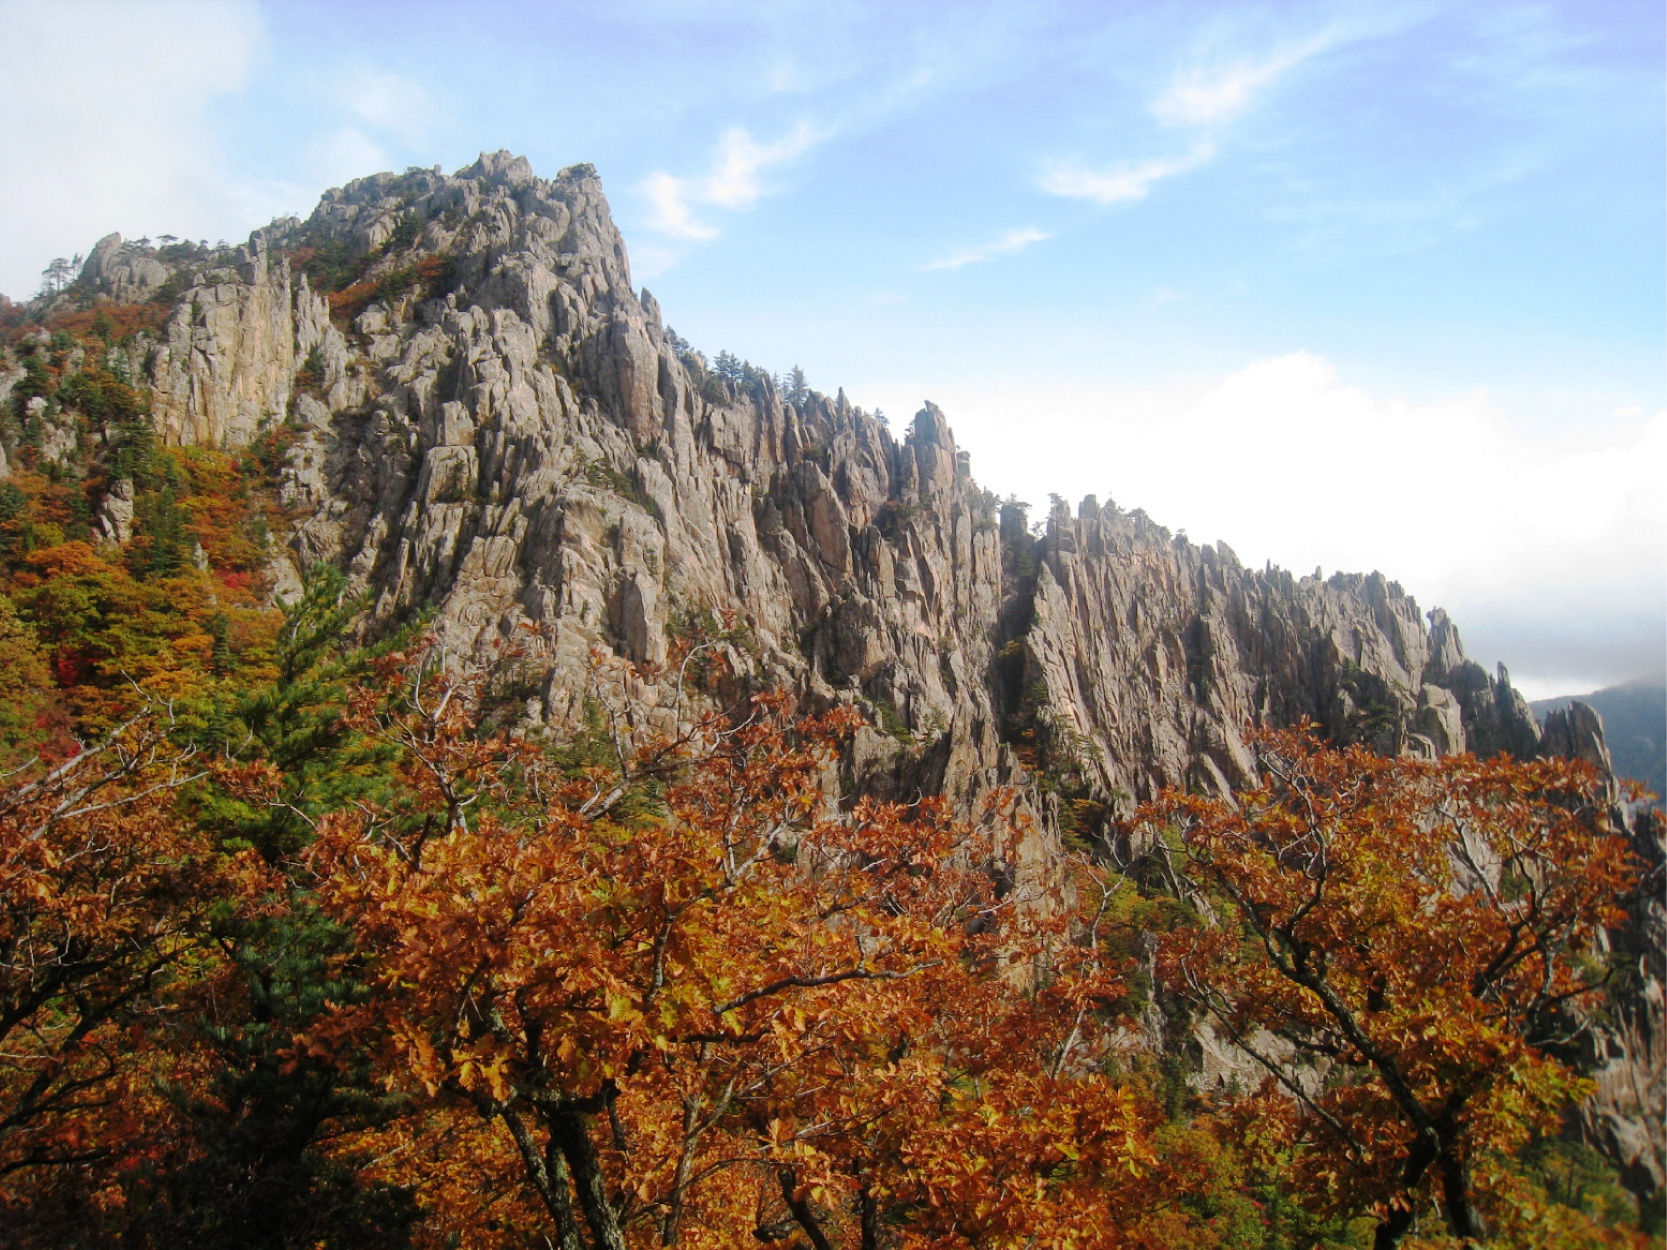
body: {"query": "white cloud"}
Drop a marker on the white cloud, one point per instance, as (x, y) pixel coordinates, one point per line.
(649, 262)
(1549, 548)
(672, 199)
(1131, 180)
(1205, 94)
(342, 155)
(734, 181)
(388, 102)
(108, 126)
(1012, 241)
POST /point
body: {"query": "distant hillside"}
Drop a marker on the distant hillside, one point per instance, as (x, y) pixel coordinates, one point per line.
(1635, 725)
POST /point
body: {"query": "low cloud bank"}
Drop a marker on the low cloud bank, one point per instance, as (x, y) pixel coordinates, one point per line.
(1549, 547)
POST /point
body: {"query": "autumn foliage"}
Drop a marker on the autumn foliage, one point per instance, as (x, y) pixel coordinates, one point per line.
(485, 988)
(739, 1014)
(106, 900)
(1405, 948)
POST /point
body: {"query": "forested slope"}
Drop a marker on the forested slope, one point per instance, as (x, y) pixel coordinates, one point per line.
(543, 558)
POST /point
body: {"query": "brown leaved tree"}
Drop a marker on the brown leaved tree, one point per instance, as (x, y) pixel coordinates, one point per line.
(1401, 946)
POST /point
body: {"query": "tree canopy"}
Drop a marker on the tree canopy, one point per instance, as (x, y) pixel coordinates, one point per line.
(506, 990)
(1405, 948)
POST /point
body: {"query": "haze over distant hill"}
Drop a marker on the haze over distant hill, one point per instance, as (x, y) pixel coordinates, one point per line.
(1635, 726)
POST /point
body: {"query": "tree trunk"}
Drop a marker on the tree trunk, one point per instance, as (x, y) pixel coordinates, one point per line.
(567, 1227)
(1463, 1218)
(1392, 1228)
(869, 1211)
(570, 1130)
(1398, 1222)
(548, 1174)
(685, 1166)
(800, 1207)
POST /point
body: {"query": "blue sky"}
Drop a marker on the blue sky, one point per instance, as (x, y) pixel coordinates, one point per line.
(1358, 285)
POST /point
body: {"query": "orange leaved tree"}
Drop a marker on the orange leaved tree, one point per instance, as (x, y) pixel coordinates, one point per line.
(670, 993)
(106, 897)
(1401, 945)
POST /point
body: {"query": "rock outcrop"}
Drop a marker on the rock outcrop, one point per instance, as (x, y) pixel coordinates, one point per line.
(489, 422)
(126, 273)
(530, 446)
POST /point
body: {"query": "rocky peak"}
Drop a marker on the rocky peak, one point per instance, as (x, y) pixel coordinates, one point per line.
(490, 421)
(124, 273)
(1576, 733)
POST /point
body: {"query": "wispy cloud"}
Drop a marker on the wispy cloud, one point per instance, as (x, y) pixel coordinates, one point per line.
(1219, 90)
(1012, 241)
(373, 119)
(1205, 93)
(1131, 180)
(673, 213)
(342, 154)
(734, 181)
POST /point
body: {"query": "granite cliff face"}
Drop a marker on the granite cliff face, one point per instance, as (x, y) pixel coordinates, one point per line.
(489, 422)
(530, 445)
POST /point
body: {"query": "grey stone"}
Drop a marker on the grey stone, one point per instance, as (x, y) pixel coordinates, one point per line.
(98, 260)
(123, 273)
(114, 521)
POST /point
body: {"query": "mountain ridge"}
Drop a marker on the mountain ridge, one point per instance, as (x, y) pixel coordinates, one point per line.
(250, 343)
(484, 420)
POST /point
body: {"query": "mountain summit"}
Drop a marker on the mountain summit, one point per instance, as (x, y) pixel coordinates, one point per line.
(487, 420)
